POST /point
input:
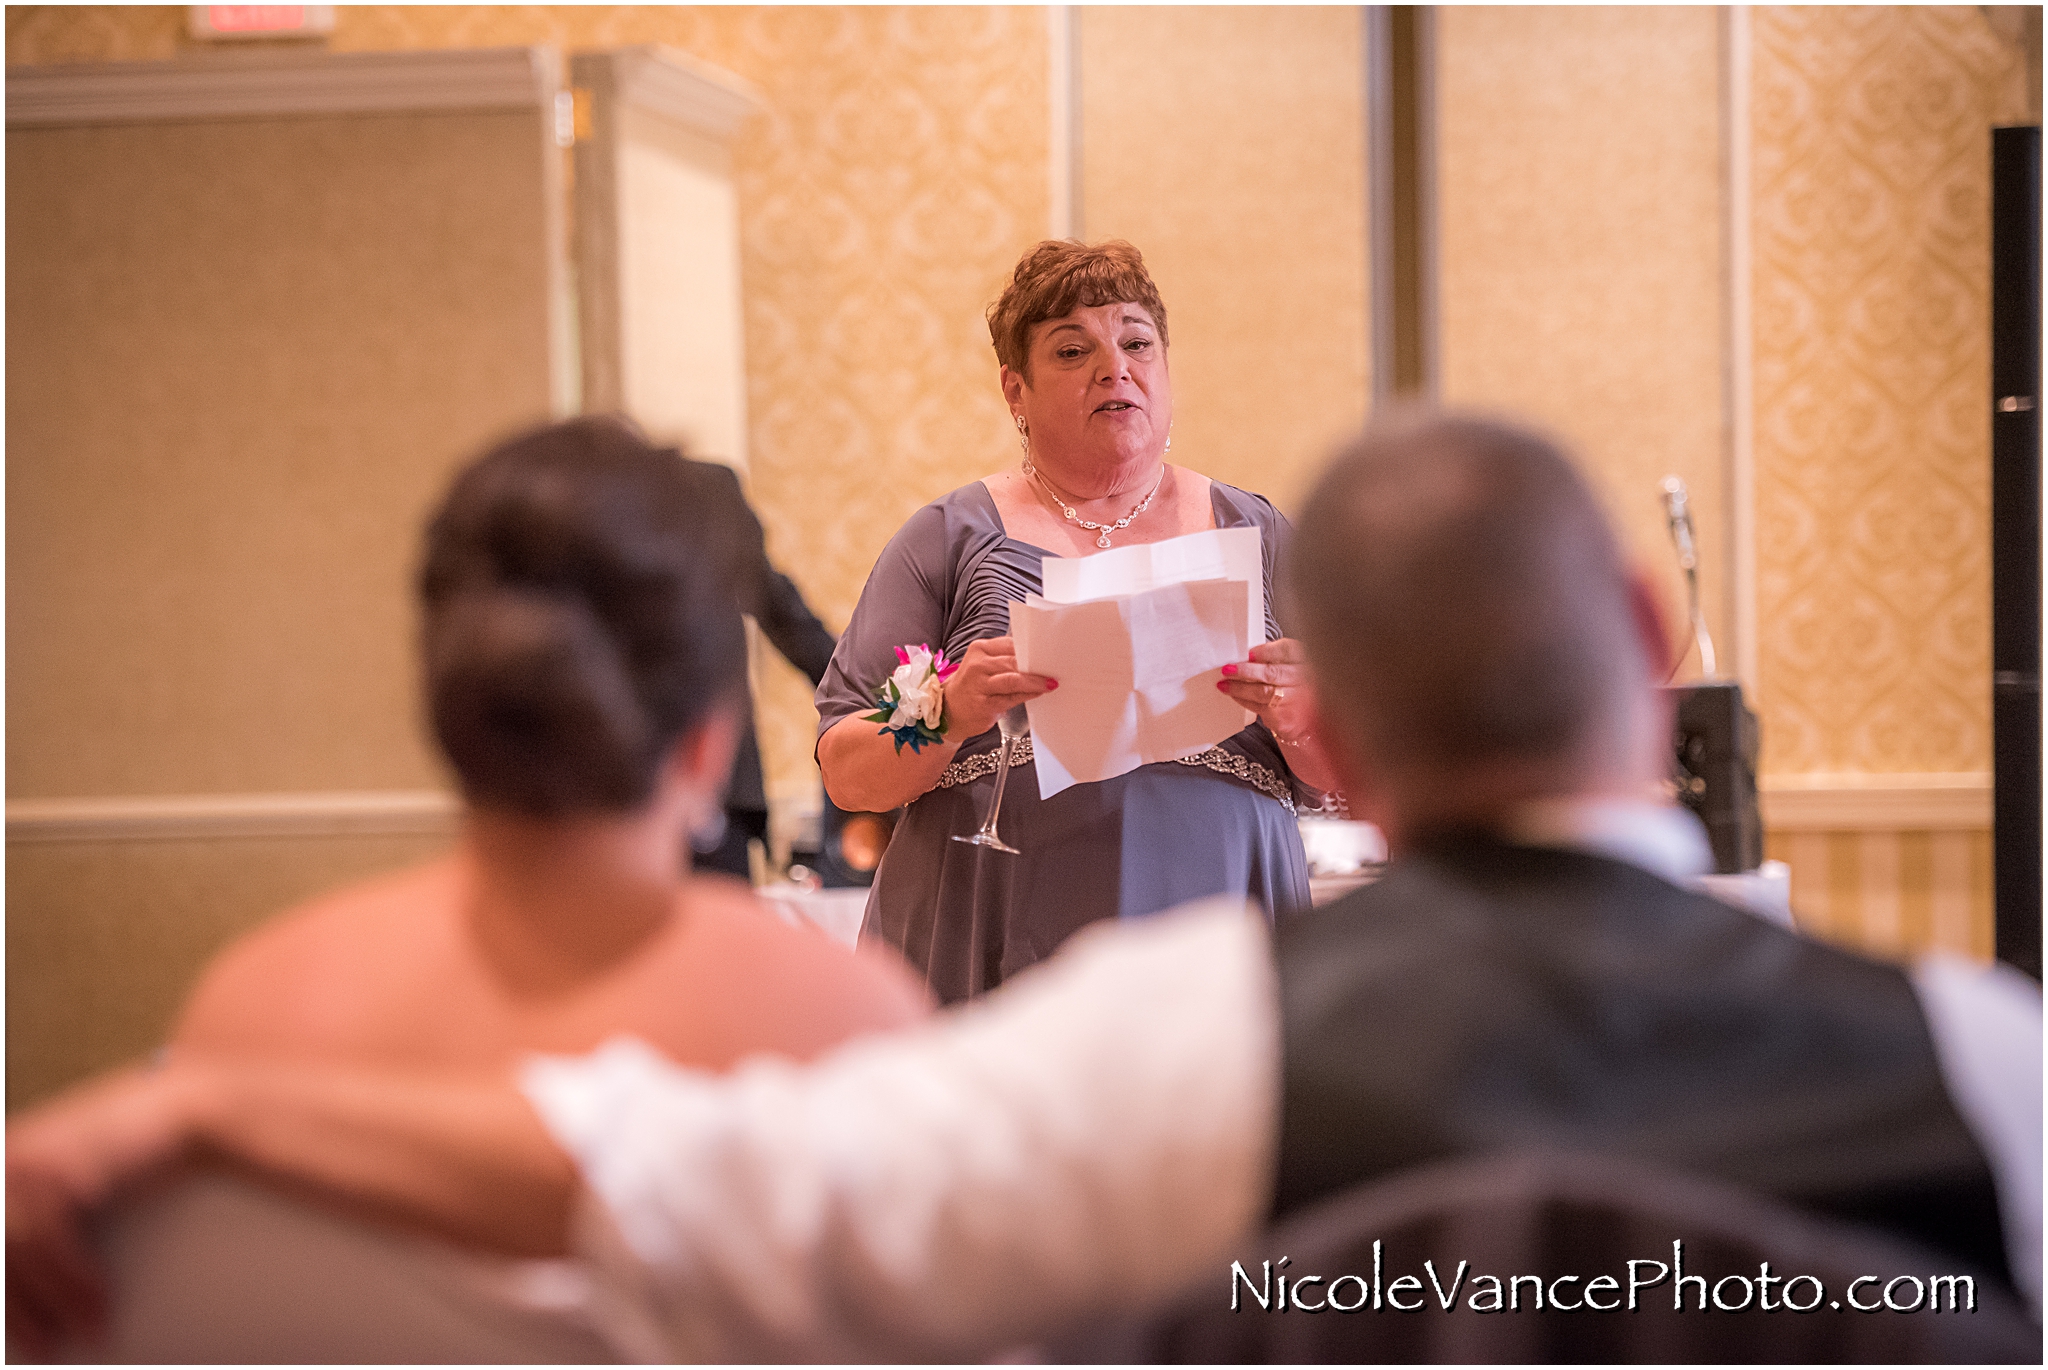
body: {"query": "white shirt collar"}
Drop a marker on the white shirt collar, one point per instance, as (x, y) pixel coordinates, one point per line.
(1663, 839)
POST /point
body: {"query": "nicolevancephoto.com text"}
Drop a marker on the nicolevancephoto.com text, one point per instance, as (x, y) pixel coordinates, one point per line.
(1274, 1289)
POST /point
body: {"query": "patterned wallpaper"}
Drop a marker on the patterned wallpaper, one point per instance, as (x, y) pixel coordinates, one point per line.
(902, 167)
(1228, 143)
(1872, 264)
(897, 175)
(1579, 199)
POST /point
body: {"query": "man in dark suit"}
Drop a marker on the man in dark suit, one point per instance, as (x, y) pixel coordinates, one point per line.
(773, 601)
(1533, 970)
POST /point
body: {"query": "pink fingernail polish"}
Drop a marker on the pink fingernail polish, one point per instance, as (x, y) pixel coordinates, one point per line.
(1222, 684)
(1052, 684)
(1230, 670)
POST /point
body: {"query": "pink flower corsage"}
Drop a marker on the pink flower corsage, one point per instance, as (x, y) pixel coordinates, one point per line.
(912, 705)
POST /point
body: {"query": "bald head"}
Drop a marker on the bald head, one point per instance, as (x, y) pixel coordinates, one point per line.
(1473, 626)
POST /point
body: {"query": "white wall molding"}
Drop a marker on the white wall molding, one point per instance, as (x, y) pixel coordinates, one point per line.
(1739, 365)
(270, 84)
(1857, 802)
(676, 86)
(189, 817)
(1063, 132)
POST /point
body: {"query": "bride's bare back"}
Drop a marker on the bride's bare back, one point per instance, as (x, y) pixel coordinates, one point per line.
(396, 971)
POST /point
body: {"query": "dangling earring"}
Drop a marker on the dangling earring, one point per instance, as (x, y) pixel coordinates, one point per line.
(1023, 435)
(707, 830)
(1169, 444)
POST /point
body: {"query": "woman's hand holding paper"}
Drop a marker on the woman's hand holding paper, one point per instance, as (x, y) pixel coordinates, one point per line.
(1277, 686)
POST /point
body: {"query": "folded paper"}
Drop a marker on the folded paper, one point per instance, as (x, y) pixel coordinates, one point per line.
(1219, 554)
(1137, 639)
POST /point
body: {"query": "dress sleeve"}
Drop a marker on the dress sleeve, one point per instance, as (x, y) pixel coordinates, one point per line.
(1089, 1137)
(1274, 532)
(1237, 508)
(905, 602)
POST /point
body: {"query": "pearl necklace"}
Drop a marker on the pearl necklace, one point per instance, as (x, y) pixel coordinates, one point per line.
(1103, 530)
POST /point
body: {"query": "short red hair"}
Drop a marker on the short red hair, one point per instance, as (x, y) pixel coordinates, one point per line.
(1059, 276)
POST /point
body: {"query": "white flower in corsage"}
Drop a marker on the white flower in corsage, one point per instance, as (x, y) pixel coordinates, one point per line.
(913, 701)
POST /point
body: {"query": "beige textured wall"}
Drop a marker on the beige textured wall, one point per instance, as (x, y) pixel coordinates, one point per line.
(1872, 278)
(1579, 175)
(213, 507)
(1229, 145)
(243, 357)
(899, 172)
(104, 938)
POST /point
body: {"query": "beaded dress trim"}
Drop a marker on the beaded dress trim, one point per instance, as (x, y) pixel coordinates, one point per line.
(1260, 778)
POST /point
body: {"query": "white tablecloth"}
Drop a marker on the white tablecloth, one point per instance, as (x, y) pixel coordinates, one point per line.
(836, 912)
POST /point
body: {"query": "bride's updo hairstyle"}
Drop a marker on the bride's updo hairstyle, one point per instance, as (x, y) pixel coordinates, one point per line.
(577, 619)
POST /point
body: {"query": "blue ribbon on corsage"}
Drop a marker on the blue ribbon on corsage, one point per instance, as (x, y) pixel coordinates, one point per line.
(912, 705)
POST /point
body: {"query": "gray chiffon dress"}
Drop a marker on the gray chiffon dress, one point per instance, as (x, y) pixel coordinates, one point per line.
(970, 918)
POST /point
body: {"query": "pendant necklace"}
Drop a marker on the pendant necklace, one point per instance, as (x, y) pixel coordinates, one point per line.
(1102, 530)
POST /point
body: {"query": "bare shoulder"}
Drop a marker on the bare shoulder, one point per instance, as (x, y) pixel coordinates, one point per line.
(1193, 507)
(824, 991)
(301, 979)
(1014, 497)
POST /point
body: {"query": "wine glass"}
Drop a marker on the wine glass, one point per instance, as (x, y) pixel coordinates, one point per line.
(1013, 724)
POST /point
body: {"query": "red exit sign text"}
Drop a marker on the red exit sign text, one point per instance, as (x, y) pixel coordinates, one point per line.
(261, 21)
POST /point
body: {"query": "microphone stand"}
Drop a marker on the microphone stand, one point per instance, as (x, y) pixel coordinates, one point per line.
(1679, 516)
(1716, 739)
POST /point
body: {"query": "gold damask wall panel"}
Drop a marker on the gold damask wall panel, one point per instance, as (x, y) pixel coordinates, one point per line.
(211, 530)
(898, 173)
(1579, 194)
(1872, 268)
(1229, 145)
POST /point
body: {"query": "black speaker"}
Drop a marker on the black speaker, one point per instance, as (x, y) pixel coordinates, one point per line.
(2016, 543)
(1715, 770)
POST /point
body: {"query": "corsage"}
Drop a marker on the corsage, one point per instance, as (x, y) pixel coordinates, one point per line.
(912, 705)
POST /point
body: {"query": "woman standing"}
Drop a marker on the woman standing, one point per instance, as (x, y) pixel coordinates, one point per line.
(1081, 337)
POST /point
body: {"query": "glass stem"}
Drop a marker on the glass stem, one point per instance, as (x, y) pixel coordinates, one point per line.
(995, 803)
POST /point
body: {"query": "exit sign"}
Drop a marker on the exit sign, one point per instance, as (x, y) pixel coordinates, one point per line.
(261, 21)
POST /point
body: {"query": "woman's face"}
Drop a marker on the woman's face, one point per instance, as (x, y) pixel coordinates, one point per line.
(1099, 401)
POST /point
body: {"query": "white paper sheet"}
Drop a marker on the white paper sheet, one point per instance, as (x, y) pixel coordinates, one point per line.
(1137, 639)
(1219, 554)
